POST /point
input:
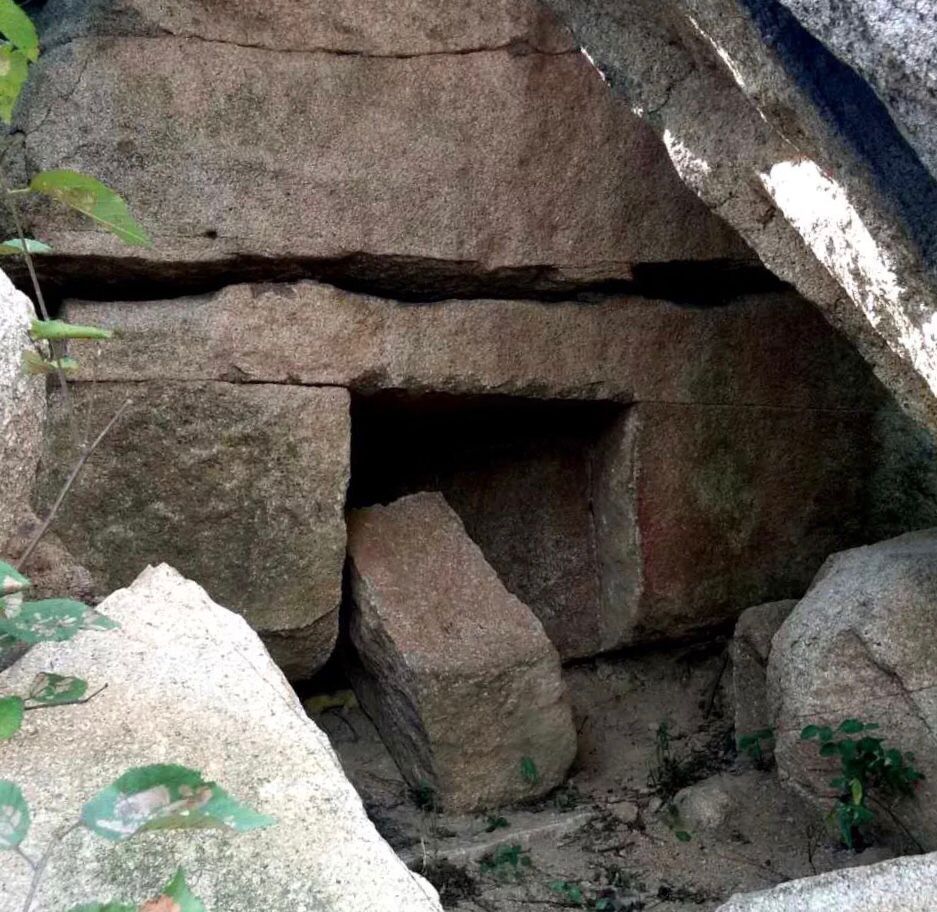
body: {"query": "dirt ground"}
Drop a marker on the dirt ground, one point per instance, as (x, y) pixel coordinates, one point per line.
(611, 838)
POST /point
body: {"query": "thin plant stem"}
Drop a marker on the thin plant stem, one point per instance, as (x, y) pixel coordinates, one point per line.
(66, 487)
(39, 869)
(77, 702)
(25, 857)
(40, 298)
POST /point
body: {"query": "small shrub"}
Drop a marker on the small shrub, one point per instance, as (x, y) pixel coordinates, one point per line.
(868, 772)
(506, 862)
(754, 746)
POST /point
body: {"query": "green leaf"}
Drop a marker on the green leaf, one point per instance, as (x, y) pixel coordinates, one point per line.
(19, 29)
(59, 329)
(826, 733)
(829, 749)
(105, 907)
(14, 815)
(53, 690)
(34, 363)
(53, 620)
(14, 70)
(811, 731)
(11, 716)
(165, 796)
(856, 791)
(15, 246)
(683, 835)
(92, 198)
(11, 580)
(850, 726)
(176, 897)
(529, 770)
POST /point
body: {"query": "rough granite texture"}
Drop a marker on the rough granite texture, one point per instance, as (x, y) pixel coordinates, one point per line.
(860, 645)
(797, 153)
(750, 648)
(242, 487)
(897, 885)
(22, 407)
(188, 682)
(411, 149)
(701, 511)
(767, 349)
(456, 673)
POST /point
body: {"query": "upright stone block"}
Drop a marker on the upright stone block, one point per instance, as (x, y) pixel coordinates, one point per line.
(241, 487)
(457, 673)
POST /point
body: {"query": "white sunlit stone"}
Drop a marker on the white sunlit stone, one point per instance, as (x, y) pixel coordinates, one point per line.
(820, 210)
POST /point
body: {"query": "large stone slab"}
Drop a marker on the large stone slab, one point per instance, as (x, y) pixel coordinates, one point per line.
(242, 487)
(415, 164)
(457, 674)
(188, 682)
(905, 884)
(860, 645)
(702, 511)
(790, 146)
(771, 349)
(22, 407)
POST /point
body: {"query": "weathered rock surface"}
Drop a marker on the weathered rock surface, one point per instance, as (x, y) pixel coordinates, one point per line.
(750, 648)
(860, 645)
(53, 572)
(400, 28)
(22, 407)
(421, 157)
(891, 44)
(905, 884)
(703, 806)
(241, 486)
(797, 153)
(700, 511)
(188, 682)
(457, 674)
(768, 349)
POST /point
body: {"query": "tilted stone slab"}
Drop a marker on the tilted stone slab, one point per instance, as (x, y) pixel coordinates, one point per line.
(769, 349)
(188, 682)
(243, 487)
(860, 645)
(905, 884)
(414, 159)
(457, 674)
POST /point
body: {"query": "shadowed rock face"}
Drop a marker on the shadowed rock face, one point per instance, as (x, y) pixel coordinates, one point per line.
(796, 152)
(401, 142)
(457, 674)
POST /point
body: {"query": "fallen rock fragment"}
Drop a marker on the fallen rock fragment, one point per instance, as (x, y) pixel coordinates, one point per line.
(457, 673)
(190, 683)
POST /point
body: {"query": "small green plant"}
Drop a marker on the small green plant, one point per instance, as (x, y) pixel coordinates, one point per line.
(529, 771)
(157, 797)
(493, 823)
(424, 796)
(506, 862)
(755, 746)
(25, 623)
(868, 772)
(670, 772)
(570, 891)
